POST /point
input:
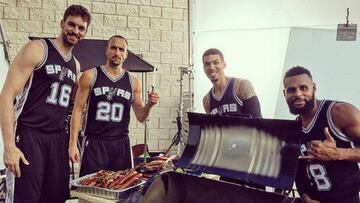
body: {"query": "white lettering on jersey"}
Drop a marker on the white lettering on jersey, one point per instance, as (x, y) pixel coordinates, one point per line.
(120, 92)
(127, 95)
(319, 174)
(59, 95)
(109, 112)
(225, 108)
(232, 107)
(105, 90)
(50, 69)
(58, 70)
(98, 91)
(214, 111)
(303, 150)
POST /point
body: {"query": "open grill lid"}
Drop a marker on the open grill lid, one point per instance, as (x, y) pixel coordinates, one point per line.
(254, 150)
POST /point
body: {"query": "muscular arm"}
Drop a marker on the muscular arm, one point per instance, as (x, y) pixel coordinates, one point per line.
(252, 107)
(142, 111)
(246, 93)
(206, 104)
(82, 95)
(346, 118)
(19, 73)
(347, 121)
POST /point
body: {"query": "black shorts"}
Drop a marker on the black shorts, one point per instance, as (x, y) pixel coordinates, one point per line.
(46, 178)
(105, 154)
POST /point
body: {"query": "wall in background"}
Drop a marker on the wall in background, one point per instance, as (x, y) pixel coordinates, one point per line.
(155, 28)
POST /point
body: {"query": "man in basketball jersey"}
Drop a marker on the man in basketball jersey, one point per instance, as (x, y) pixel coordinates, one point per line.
(41, 77)
(108, 92)
(328, 169)
(228, 95)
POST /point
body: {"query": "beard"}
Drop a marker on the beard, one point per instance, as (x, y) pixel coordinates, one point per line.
(115, 62)
(213, 79)
(309, 105)
(66, 41)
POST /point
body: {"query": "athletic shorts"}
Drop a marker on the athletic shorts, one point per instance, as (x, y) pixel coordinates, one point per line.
(46, 178)
(105, 154)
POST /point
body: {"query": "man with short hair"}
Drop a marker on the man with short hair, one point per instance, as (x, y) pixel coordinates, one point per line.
(108, 92)
(41, 77)
(328, 169)
(228, 95)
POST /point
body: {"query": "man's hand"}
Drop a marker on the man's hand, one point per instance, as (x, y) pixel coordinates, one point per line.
(74, 154)
(307, 199)
(322, 150)
(153, 98)
(12, 156)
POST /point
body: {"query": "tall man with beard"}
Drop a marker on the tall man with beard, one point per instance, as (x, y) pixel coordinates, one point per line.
(328, 169)
(108, 92)
(41, 77)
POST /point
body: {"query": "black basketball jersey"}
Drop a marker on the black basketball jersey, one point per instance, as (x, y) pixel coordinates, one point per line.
(325, 180)
(108, 109)
(44, 102)
(228, 102)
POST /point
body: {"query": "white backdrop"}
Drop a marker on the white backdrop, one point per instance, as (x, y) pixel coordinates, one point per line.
(334, 66)
(254, 36)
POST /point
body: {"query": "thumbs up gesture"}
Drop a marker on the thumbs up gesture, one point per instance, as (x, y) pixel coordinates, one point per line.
(322, 149)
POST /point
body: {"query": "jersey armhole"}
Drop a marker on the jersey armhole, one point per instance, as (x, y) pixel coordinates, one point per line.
(78, 69)
(208, 96)
(235, 91)
(94, 79)
(44, 57)
(131, 86)
(332, 126)
(84, 122)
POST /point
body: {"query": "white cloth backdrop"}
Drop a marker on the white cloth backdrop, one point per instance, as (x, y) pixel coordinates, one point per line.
(334, 65)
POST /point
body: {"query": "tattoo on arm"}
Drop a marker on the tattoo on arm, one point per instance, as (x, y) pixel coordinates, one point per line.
(245, 90)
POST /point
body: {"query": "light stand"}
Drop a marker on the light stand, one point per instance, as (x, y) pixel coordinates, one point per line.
(6, 45)
(178, 138)
(146, 132)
